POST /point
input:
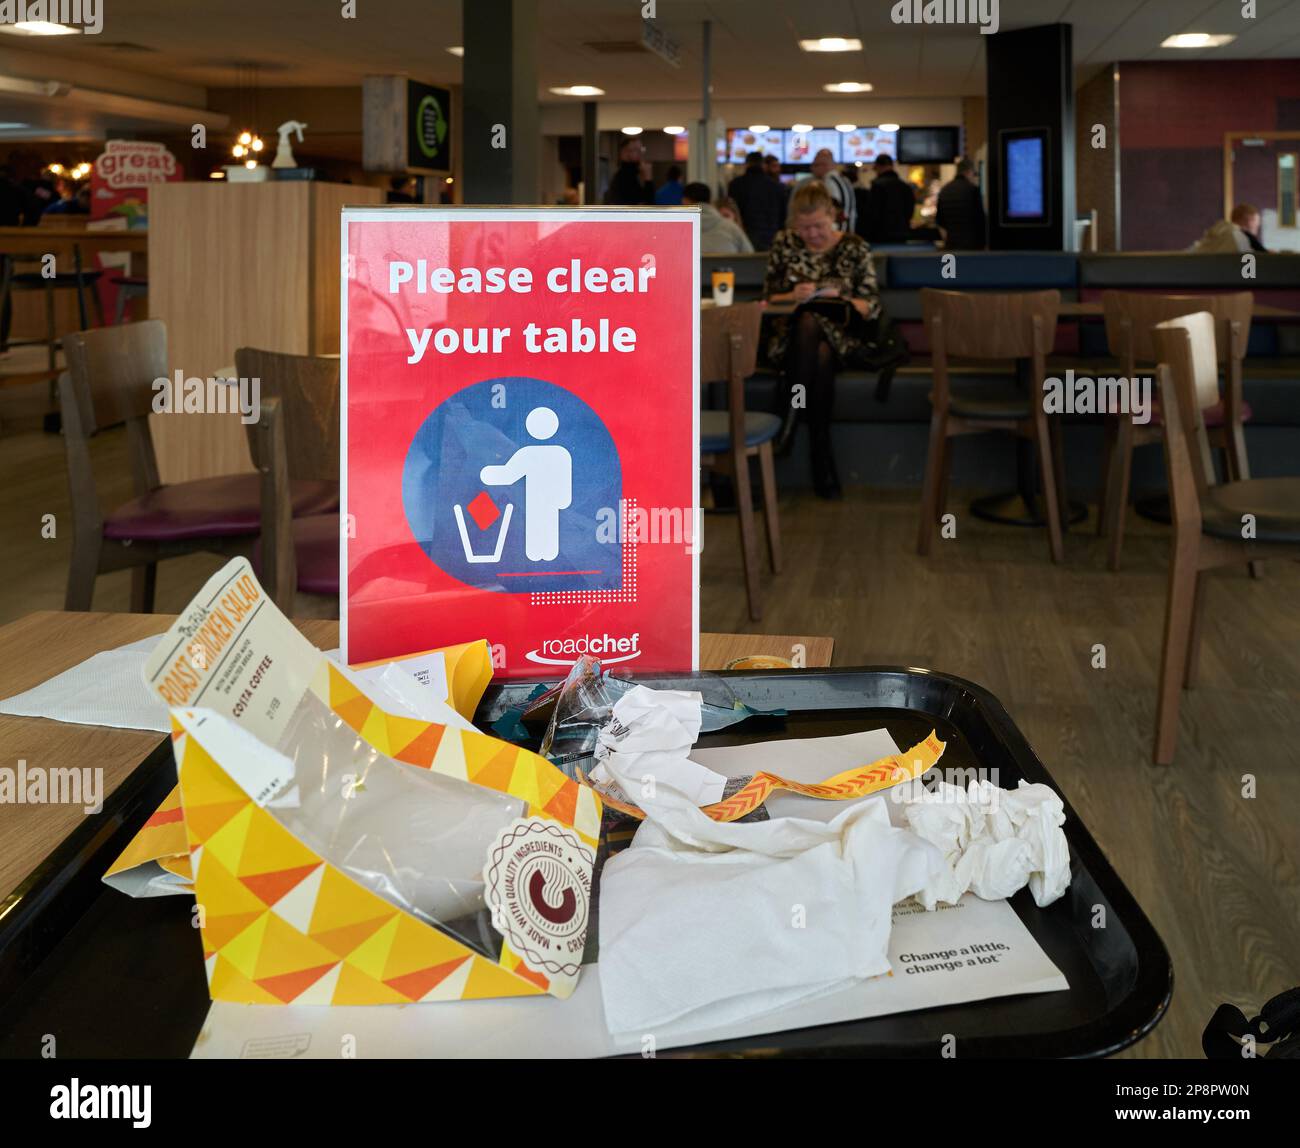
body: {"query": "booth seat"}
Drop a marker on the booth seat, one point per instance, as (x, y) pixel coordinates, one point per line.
(887, 440)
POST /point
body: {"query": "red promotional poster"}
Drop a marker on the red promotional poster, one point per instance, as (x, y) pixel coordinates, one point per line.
(520, 451)
(121, 177)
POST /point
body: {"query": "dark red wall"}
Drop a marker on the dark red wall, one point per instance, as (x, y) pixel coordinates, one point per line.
(1172, 119)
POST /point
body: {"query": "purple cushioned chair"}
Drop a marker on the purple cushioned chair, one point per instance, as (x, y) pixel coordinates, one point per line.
(295, 441)
(109, 380)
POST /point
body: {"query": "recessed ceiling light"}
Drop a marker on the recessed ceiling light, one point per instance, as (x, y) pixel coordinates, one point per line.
(459, 50)
(1196, 40)
(39, 28)
(889, 127)
(847, 86)
(846, 127)
(579, 90)
(759, 129)
(675, 130)
(801, 127)
(832, 44)
(631, 131)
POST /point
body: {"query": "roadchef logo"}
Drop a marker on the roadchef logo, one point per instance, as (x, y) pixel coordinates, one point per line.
(538, 888)
(606, 647)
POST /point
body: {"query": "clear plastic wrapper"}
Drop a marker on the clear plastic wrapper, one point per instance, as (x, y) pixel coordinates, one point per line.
(412, 836)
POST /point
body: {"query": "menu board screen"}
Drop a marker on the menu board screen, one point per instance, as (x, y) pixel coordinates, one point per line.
(743, 141)
(862, 145)
(800, 147)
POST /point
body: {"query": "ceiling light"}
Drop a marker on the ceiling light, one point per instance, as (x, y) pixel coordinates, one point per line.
(1196, 40)
(457, 51)
(675, 130)
(759, 129)
(216, 175)
(846, 86)
(832, 44)
(889, 127)
(846, 127)
(631, 131)
(579, 90)
(250, 164)
(39, 28)
(801, 127)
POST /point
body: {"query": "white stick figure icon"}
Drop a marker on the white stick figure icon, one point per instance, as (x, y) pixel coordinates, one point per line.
(547, 472)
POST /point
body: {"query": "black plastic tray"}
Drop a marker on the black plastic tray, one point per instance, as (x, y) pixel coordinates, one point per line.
(109, 976)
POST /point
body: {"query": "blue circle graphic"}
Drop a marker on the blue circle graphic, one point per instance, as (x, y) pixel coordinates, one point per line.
(513, 485)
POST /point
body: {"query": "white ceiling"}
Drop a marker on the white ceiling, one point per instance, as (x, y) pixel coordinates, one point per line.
(755, 54)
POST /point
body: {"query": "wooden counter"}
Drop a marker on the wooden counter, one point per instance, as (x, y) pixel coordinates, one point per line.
(240, 265)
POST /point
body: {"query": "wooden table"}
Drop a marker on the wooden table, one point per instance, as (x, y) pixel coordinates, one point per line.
(46, 643)
(40, 240)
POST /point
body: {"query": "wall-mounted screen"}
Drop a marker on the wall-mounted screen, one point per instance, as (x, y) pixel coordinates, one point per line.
(928, 145)
(800, 147)
(742, 141)
(862, 145)
(1026, 190)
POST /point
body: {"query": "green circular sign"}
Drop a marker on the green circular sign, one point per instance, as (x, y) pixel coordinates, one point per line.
(430, 127)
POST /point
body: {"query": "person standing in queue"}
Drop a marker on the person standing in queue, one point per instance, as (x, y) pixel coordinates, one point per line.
(823, 168)
(959, 213)
(889, 207)
(828, 274)
(761, 202)
(630, 186)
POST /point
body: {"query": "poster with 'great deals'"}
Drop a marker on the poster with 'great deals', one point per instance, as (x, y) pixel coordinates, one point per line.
(521, 435)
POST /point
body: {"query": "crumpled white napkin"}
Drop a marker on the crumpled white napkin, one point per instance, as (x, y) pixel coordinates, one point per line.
(106, 689)
(710, 923)
(653, 732)
(994, 841)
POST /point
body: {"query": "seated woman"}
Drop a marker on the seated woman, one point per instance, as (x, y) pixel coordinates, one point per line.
(812, 257)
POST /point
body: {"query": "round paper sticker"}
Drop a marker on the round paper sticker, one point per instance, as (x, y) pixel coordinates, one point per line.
(538, 889)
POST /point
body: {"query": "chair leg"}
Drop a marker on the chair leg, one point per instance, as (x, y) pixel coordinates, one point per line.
(83, 569)
(748, 534)
(51, 338)
(144, 580)
(1194, 631)
(1104, 508)
(1051, 501)
(771, 519)
(1117, 485)
(1179, 611)
(934, 463)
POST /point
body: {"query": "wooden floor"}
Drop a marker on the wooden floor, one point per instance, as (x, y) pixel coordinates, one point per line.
(1218, 873)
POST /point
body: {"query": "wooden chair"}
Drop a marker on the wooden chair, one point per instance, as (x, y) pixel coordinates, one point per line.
(110, 379)
(1211, 527)
(1131, 319)
(296, 440)
(991, 326)
(730, 438)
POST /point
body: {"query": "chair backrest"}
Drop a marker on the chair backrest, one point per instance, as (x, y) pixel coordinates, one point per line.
(1185, 346)
(988, 325)
(991, 325)
(729, 353)
(307, 390)
(1132, 316)
(114, 369)
(114, 375)
(717, 325)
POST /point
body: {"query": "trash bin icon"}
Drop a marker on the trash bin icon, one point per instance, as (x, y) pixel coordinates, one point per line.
(470, 555)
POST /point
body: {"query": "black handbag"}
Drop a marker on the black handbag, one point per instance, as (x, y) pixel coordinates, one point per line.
(1278, 1024)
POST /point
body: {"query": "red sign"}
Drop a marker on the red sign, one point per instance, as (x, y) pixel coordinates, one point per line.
(121, 177)
(521, 435)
